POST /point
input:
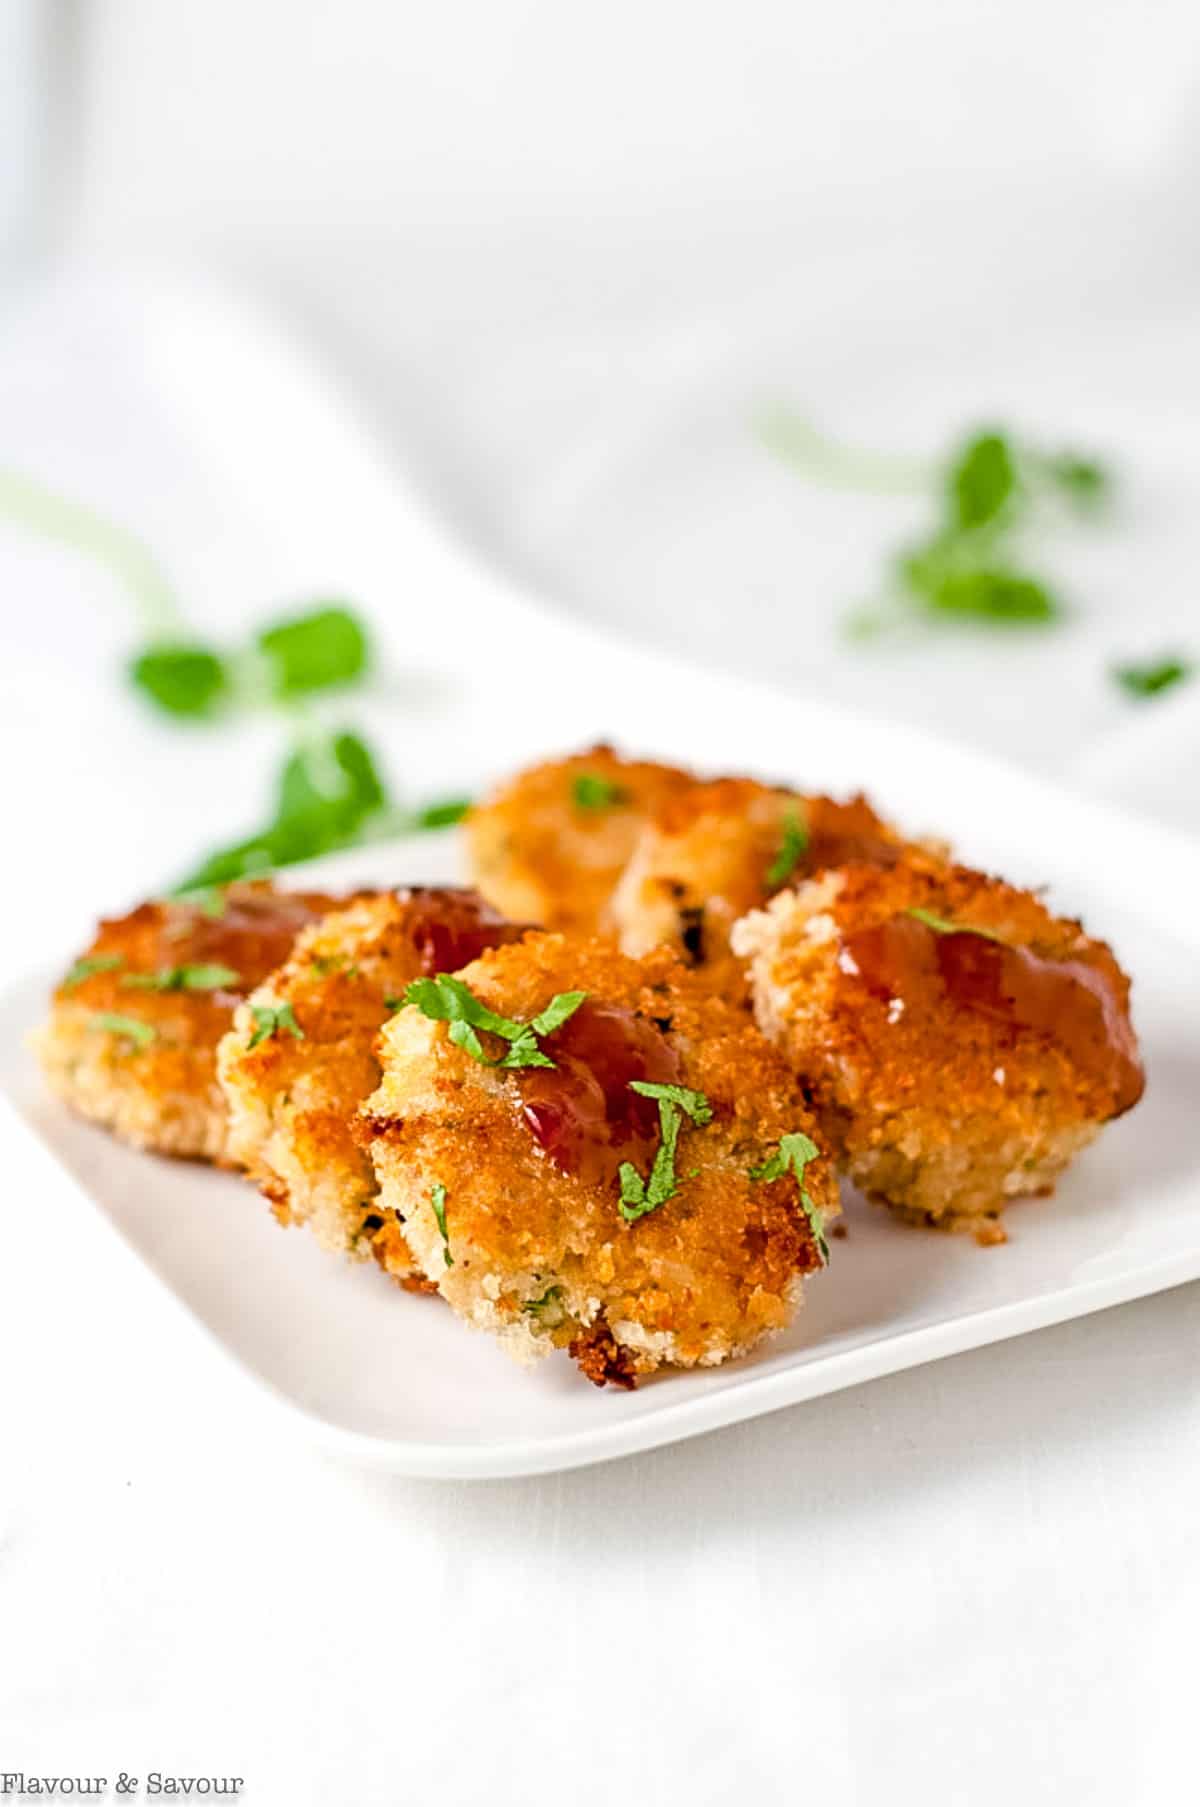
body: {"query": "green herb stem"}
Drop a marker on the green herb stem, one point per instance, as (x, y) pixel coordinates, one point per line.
(802, 445)
(126, 557)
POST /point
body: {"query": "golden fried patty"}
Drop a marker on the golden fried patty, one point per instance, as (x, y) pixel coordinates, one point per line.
(706, 856)
(962, 1043)
(550, 844)
(539, 1197)
(293, 1091)
(132, 1037)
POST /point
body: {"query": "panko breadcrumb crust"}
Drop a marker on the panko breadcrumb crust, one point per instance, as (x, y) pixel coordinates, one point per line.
(539, 855)
(160, 1091)
(542, 1257)
(941, 1111)
(707, 856)
(292, 1098)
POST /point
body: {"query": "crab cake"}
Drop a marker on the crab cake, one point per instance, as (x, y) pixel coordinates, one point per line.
(132, 1037)
(550, 844)
(962, 1043)
(300, 1057)
(706, 856)
(559, 1205)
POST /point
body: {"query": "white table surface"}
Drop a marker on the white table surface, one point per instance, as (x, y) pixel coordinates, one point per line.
(977, 1582)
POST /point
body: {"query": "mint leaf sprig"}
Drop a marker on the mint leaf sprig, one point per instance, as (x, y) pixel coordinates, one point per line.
(972, 566)
(323, 648)
(330, 795)
(641, 1196)
(1153, 676)
(446, 999)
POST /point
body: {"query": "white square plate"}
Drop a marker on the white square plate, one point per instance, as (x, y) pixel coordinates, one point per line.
(396, 1379)
(488, 680)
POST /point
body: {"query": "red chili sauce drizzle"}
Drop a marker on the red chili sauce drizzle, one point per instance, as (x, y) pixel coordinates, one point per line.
(581, 1111)
(454, 927)
(1069, 1001)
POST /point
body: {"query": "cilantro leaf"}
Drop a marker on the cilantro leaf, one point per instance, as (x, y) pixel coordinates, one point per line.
(180, 679)
(315, 651)
(793, 1154)
(694, 1103)
(446, 999)
(982, 480)
(593, 792)
(438, 1200)
(522, 1051)
(183, 978)
(270, 1019)
(450, 1000)
(639, 1196)
(1153, 677)
(89, 964)
(563, 1005)
(792, 849)
(111, 1022)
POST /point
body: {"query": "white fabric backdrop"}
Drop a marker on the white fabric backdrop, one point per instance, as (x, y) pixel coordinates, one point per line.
(560, 254)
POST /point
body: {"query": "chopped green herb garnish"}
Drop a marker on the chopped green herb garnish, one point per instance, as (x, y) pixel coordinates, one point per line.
(325, 965)
(638, 1196)
(941, 925)
(112, 1023)
(315, 651)
(181, 679)
(792, 849)
(548, 1301)
(448, 1000)
(183, 978)
(91, 963)
(269, 1019)
(1153, 677)
(694, 1103)
(794, 1154)
(210, 900)
(438, 1200)
(590, 791)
